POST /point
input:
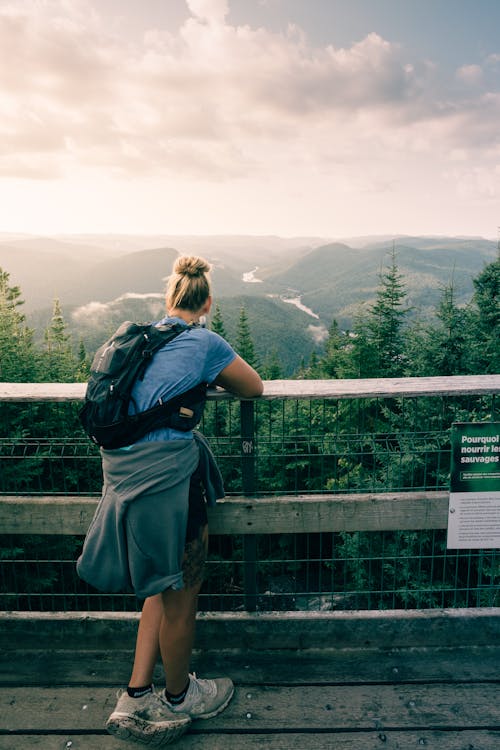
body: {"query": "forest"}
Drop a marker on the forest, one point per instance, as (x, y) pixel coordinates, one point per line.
(392, 444)
(386, 340)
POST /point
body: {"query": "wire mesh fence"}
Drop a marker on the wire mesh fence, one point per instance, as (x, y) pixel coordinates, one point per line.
(311, 572)
(298, 446)
(354, 445)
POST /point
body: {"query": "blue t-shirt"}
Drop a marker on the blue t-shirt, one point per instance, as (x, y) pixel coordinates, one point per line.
(195, 356)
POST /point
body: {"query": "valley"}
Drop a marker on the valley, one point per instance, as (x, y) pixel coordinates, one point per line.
(291, 288)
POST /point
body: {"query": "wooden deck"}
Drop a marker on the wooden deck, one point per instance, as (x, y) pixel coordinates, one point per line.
(330, 681)
(342, 699)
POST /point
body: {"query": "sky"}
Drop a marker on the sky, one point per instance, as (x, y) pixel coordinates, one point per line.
(324, 118)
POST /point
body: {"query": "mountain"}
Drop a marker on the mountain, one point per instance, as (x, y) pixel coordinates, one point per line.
(103, 279)
(336, 280)
(78, 269)
(146, 271)
(241, 253)
(46, 267)
(276, 327)
(42, 276)
(140, 272)
(86, 251)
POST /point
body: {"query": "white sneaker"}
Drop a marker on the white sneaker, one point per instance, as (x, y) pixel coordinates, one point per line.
(205, 698)
(148, 720)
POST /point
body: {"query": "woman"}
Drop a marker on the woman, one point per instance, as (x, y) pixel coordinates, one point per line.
(166, 534)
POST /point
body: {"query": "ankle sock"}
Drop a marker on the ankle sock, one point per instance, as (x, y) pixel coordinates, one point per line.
(177, 698)
(138, 692)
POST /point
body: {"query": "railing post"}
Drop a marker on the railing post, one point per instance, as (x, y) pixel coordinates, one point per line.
(247, 417)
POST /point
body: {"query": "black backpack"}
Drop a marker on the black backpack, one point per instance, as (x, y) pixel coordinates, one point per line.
(116, 366)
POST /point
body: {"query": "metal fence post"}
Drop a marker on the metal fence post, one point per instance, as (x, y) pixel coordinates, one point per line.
(247, 417)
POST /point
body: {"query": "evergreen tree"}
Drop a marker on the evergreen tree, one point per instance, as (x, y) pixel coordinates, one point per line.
(217, 324)
(83, 371)
(244, 343)
(59, 363)
(309, 371)
(272, 367)
(448, 344)
(364, 355)
(17, 356)
(299, 373)
(336, 360)
(216, 414)
(381, 346)
(487, 317)
(416, 340)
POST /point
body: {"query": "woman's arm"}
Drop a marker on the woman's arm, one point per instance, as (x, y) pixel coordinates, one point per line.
(241, 379)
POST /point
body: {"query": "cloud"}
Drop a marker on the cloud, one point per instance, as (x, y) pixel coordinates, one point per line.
(318, 333)
(209, 10)
(470, 74)
(92, 312)
(215, 101)
(95, 312)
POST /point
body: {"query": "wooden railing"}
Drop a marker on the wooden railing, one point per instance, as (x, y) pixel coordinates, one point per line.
(256, 515)
(456, 385)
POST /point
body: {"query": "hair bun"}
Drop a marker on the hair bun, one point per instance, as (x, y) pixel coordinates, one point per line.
(191, 265)
(188, 287)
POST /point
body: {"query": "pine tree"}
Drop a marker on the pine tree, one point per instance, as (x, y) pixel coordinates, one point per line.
(314, 368)
(417, 361)
(384, 325)
(335, 362)
(487, 329)
(60, 364)
(18, 362)
(309, 370)
(217, 324)
(244, 343)
(272, 367)
(364, 356)
(448, 344)
(83, 371)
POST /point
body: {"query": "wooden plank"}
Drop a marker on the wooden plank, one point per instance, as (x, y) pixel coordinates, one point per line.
(340, 741)
(263, 515)
(317, 666)
(293, 389)
(374, 740)
(268, 631)
(46, 515)
(382, 387)
(27, 392)
(316, 513)
(253, 708)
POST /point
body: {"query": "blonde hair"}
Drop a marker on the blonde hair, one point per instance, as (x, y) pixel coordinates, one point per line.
(188, 287)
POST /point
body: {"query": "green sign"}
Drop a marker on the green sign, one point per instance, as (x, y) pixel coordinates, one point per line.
(475, 457)
(474, 511)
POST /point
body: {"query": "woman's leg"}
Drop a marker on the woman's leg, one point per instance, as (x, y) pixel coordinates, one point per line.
(177, 631)
(168, 622)
(178, 624)
(147, 647)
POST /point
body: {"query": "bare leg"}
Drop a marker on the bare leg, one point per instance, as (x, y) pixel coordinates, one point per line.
(168, 624)
(147, 646)
(177, 636)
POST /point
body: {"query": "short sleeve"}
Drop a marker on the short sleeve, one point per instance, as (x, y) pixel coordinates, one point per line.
(219, 355)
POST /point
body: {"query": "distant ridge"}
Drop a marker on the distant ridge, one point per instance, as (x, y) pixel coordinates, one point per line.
(331, 278)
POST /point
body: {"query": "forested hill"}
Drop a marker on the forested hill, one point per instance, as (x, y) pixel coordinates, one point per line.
(291, 289)
(335, 279)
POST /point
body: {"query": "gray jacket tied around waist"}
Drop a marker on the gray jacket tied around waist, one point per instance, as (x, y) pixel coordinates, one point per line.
(135, 541)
